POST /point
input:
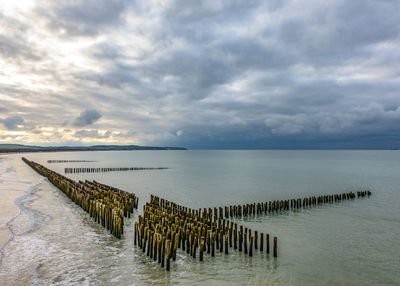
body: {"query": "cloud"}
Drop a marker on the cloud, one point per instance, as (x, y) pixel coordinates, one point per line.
(13, 47)
(87, 117)
(12, 122)
(82, 18)
(230, 74)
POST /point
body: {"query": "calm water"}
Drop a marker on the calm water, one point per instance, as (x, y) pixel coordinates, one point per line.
(348, 243)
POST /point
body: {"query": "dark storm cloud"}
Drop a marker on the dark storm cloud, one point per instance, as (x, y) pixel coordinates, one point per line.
(87, 117)
(209, 74)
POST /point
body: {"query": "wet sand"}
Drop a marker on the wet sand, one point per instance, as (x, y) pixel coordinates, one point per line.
(11, 188)
(8, 210)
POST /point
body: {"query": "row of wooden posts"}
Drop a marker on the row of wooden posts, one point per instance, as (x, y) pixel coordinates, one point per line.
(102, 170)
(68, 161)
(107, 205)
(252, 209)
(165, 227)
(363, 194)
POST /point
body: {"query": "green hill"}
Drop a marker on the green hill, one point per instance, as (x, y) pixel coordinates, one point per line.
(8, 148)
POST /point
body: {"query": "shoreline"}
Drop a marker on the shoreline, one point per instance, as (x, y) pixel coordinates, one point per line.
(8, 212)
(8, 208)
(73, 151)
(15, 189)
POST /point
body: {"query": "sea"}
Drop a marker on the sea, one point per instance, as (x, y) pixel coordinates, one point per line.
(355, 242)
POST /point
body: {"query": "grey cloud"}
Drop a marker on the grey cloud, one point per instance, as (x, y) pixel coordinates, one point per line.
(231, 74)
(92, 133)
(12, 48)
(198, 70)
(83, 17)
(87, 117)
(250, 53)
(11, 122)
(334, 33)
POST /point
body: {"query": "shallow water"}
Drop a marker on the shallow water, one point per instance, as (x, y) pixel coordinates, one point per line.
(348, 243)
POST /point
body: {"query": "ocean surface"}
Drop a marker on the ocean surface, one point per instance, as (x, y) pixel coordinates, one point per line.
(348, 243)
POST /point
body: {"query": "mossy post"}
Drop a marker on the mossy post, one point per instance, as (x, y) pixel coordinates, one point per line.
(162, 252)
(208, 241)
(175, 246)
(201, 248)
(168, 255)
(155, 246)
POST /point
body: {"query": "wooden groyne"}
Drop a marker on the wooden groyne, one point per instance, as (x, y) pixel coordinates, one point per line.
(166, 227)
(112, 169)
(68, 161)
(105, 204)
(253, 209)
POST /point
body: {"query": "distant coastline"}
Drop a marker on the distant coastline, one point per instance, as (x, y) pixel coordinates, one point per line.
(19, 148)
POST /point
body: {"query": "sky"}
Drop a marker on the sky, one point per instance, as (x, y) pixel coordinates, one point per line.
(201, 74)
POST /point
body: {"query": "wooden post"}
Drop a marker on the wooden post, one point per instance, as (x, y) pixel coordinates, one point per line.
(245, 243)
(151, 243)
(230, 236)
(275, 246)
(221, 241)
(135, 240)
(144, 240)
(251, 246)
(201, 248)
(163, 251)
(208, 241)
(256, 239)
(194, 242)
(159, 243)
(168, 254)
(267, 242)
(235, 238)
(226, 243)
(155, 246)
(177, 239)
(213, 245)
(240, 240)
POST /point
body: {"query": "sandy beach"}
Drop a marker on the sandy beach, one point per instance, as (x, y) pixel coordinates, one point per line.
(8, 210)
(11, 188)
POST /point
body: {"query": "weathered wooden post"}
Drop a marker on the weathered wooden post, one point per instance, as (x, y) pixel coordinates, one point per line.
(251, 246)
(256, 239)
(168, 255)
(245, 243)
